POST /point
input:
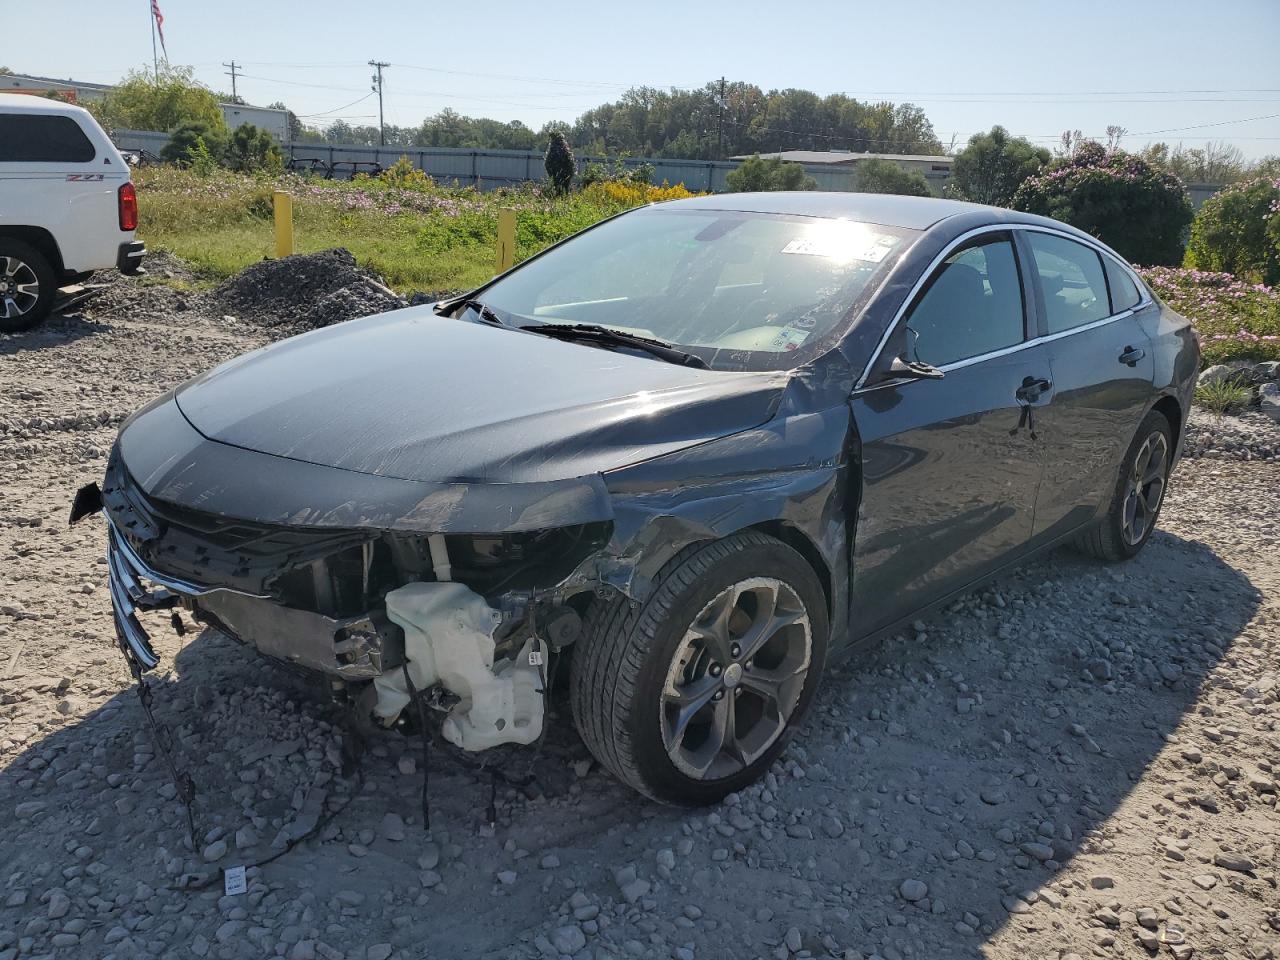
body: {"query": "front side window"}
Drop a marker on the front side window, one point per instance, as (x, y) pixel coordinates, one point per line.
(972, 305)
(1075, 289)
(41, 138)
(743, 291)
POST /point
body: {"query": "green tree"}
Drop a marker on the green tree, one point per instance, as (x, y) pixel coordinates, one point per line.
(559, 162)
(885, 176)
(251, 149)
(1238, 231)
(143, 102)
(992, 167)
(755, 175)
(1138, 208)
(182, 146)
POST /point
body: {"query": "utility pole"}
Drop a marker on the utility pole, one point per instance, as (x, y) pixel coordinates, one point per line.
(720, 125)
(235, 95)
(377, 88)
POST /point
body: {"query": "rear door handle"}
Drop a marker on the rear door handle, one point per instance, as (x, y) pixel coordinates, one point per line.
(1131, 356)
(1032, 388)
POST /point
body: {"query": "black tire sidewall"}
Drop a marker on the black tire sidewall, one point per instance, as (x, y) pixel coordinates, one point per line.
(1152, 423)
(757, 558)
(44, 275)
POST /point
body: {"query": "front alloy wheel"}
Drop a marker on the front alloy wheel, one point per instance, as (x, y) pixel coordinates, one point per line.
(693, 693)
(736, 678)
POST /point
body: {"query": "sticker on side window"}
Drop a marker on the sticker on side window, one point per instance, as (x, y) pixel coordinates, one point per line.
(870, 248)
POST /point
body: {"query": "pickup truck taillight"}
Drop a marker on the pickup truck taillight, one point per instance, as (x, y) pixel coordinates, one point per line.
(128, 207)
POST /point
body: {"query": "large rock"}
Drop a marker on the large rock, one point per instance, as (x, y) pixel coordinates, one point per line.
(1234, 370)
(1269, 400)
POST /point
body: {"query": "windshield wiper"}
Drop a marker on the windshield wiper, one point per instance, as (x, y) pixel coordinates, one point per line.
(606, 336)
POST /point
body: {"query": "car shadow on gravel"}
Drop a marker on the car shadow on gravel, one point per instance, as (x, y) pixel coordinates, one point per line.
(56, 331)
(977, 757)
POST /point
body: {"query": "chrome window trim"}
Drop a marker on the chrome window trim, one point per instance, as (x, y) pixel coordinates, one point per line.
(937, 261)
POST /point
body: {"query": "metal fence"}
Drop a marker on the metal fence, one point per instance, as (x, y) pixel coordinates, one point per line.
(490, 169)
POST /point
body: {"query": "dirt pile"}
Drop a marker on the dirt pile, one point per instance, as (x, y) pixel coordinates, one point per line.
(307, 291)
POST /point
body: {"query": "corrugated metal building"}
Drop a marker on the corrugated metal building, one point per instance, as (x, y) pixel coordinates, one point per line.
(275, 122)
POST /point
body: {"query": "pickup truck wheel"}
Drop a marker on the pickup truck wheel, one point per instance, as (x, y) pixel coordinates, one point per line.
(27, 286)
(692, 694)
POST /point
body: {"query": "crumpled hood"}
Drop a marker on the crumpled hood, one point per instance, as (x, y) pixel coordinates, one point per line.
(414, 396)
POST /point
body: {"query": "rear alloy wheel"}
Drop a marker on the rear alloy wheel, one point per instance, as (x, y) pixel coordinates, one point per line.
(1138, 495)
(26, 286)
(692, 694)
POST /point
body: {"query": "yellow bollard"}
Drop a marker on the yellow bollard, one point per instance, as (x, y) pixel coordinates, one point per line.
(506, 240)
(282, 204)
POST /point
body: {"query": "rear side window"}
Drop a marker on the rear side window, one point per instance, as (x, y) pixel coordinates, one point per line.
(1124, 292)
(35, 138)
(972, 306)
(1075, 289)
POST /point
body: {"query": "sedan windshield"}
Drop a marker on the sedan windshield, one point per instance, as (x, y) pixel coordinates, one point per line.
(741, 291)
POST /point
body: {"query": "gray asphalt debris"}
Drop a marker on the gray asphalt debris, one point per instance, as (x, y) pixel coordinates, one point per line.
(1068, 810)
(307, 290)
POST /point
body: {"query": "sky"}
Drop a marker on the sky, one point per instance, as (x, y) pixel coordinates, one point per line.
(1173, 70)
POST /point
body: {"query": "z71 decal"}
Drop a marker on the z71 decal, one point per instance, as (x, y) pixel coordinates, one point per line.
(84, 176)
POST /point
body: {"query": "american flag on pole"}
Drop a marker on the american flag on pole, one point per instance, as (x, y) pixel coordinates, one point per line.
(155, 12)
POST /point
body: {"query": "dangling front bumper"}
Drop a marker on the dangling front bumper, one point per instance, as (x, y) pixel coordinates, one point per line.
(125, 576)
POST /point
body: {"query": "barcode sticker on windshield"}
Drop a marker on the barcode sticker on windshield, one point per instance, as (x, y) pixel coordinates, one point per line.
(870, 250)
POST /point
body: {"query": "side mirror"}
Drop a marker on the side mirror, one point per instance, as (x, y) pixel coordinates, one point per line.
(913, 370)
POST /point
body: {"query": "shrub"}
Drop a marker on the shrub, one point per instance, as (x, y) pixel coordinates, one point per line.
(251, 150)
(1237, 320)
(1139, 209)
(628, 193)
(757, 175)
(406, 176)
(992, 167)
(885, 176)
(1238, 231)
(559, 162)
(195, 139)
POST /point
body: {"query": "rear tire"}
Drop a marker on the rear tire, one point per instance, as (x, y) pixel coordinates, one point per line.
(27, 286)
(694, 693)
(1138, 495)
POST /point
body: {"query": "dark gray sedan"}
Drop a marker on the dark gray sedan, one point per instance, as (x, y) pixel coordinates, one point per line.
(691, 452)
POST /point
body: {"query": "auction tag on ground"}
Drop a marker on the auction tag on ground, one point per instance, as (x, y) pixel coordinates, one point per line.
(234, 881)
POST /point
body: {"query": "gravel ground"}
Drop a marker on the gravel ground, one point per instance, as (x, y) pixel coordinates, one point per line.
(1078, 761)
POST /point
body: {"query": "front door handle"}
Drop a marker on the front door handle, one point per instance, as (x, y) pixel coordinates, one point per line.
(1032, 388)
(1131, 356)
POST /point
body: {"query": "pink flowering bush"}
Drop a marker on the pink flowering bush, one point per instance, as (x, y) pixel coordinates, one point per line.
(1238, 231)
(1237, 319)
(1139, 209)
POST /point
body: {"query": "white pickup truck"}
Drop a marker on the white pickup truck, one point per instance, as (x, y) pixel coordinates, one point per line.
(67, 206)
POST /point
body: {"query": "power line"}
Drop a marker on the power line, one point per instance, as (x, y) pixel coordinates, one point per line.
(304, 116)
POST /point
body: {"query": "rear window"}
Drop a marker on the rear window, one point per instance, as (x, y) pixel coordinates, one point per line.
(36, 138)
(1124, 292)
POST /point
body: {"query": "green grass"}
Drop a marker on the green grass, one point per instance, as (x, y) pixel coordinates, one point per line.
(428, 238)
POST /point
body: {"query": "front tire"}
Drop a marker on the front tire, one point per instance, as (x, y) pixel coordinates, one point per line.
(27, 286)
(1138, 495)
(694, 693)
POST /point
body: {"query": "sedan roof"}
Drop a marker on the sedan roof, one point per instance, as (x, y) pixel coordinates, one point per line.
(913, 213)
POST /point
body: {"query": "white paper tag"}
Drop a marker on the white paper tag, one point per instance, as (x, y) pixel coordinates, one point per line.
(234, 881)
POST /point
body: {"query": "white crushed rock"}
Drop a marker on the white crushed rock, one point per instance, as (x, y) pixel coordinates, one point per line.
(1107, 789)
